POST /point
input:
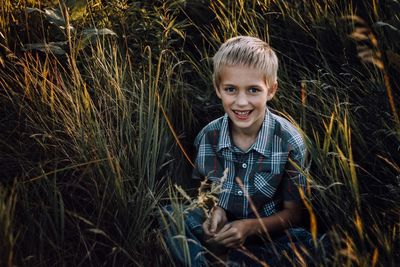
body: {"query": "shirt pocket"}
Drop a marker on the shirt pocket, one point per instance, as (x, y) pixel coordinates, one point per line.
(266, 184)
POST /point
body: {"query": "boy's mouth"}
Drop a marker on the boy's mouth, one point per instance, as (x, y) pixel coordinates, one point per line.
(242, 114)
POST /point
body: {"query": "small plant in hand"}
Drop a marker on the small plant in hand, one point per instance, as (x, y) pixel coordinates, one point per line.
(207, 197)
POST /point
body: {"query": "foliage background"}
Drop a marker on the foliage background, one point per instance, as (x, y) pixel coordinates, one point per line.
(99, 99)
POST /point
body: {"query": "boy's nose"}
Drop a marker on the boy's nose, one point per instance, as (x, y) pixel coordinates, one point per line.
(241, 100)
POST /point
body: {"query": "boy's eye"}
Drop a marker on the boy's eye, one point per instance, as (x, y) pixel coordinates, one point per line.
(230, 89)
(253, 90)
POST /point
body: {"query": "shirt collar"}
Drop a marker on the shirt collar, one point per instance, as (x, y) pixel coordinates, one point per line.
(263, 138)
(224, 137)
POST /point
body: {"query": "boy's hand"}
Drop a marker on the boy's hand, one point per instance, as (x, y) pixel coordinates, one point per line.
(217, 220)
(233, 234)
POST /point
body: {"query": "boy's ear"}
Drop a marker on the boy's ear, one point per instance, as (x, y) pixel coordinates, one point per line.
(217, 90)
(272, 90)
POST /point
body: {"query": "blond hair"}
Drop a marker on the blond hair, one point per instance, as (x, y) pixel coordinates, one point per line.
(246, 51)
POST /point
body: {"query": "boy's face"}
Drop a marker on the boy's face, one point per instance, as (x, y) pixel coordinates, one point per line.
(244, 94)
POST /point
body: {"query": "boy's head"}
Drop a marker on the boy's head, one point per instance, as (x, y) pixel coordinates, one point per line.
(245, 74)
(247, 52)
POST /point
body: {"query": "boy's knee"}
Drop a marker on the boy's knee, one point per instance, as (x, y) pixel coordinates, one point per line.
(193, 218)
(167, 209)
(166, 216)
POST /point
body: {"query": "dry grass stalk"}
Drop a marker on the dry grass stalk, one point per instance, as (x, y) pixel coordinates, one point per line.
(372, 54)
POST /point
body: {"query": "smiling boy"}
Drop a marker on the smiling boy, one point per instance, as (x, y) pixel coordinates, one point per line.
(262, 151)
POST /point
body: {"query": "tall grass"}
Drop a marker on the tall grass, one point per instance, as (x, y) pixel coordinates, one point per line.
(85, 174)
(93, 126)
(7, 233)
(89, 148)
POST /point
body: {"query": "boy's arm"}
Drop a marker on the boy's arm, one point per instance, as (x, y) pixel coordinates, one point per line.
(217, 218)
(235, 233)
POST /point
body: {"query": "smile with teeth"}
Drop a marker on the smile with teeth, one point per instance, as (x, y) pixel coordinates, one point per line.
(242, 114)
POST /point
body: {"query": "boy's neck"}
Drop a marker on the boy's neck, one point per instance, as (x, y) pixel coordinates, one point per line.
(243, 142)
(244, 139)
(245, 134)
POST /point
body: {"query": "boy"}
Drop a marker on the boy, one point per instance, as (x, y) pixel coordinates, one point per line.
(260, 196)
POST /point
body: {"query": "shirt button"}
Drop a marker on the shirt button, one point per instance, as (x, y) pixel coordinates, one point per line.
(240, 192)
(244, 165)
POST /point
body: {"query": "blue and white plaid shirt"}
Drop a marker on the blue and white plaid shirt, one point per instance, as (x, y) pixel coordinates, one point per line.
(264, 169)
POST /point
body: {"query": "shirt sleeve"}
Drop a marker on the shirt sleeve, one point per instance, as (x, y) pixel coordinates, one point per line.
(294, 179)
(196, 173)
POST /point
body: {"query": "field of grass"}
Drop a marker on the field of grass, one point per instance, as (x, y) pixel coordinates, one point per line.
(100, 102)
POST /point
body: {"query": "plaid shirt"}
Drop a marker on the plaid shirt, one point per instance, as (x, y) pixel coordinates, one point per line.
(267, 175)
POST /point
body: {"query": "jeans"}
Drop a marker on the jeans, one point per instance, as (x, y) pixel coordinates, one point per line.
(186, 244)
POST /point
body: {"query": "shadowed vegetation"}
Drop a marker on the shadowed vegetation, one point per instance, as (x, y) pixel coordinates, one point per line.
(100, 101)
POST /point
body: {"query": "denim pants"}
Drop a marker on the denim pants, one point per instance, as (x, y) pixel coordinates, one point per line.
(296, 245)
